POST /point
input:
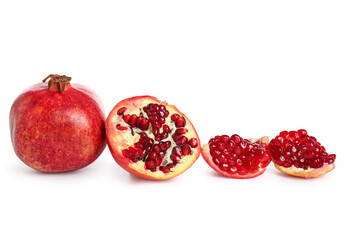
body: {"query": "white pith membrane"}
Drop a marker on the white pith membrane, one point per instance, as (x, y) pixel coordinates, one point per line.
(127, 138)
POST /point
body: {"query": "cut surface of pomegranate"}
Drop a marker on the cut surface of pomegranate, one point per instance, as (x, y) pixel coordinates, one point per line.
(150, 138)
(299, 154)
(236, 157)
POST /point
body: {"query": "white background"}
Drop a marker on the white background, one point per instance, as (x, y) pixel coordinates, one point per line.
(249, 67)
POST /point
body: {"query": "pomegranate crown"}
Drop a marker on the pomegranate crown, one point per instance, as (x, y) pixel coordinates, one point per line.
(60, 80)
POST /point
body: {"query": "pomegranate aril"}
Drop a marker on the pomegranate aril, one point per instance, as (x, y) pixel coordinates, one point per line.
(182, 140)
(293, 135)
(287, 164)
(215, 152)
(166, 129)
(175, 116)
(242, 170)
(161, 155)
(331, 158)
(152, 155)
(284, 134)
(302, 132)
(175, 158)
(143, 124)
(158, 161)
(132, 120)
(127, 154)
(224, 167)
(164, 135)
(186, 150)
(279, 140)
(126, 118)
(150, 164)
(180, 131)
(225, 138)
(180, 122)
(156, 125)
(176, 137)
(121, 111)
(121, 128)
(236, 138)
(177, 151)
(162, 146)
(193, 142)
(164, 169)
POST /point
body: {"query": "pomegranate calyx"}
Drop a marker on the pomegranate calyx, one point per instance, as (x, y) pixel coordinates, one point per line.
(59, 81)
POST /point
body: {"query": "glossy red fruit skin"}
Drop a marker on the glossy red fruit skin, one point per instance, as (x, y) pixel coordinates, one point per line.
(57, 132)
(115, 141)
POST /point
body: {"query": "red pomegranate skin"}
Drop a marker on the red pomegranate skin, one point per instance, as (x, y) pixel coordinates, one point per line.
(57, 132)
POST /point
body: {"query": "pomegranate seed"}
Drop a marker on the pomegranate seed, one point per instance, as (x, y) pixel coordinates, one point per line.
(186, 150)
(119, 127)
(162, 146)
(166, 129)
(180, 131)
(121, 111)
(193, 142)
(164, 169)
(176, 137)
(164, 135)
(175, 158)
(126, 118)
(177, 151)
(236, 138)
(158, 161)
(152, 155)
(182, 140)
(180, 122)
(174, 117)
(132, 120)
(150, 164)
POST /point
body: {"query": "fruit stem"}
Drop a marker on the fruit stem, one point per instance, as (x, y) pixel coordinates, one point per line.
(59, 80)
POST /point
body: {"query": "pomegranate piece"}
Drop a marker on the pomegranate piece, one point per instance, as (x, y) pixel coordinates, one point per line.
(57, 126)
(301, 155)
(150, 138)
(236, 157)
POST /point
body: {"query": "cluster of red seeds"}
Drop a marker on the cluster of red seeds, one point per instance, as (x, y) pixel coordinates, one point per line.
(153, 154)
(236, 155)
(298, 149)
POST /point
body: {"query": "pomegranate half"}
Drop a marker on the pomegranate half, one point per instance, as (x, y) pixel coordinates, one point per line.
(57, 127)
(301, 155)
(150, 138)
(236, 157)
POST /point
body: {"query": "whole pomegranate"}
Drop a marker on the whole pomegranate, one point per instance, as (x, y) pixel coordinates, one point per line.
(301, 155)
(57, 127)
(236, 157)
(150, 138)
